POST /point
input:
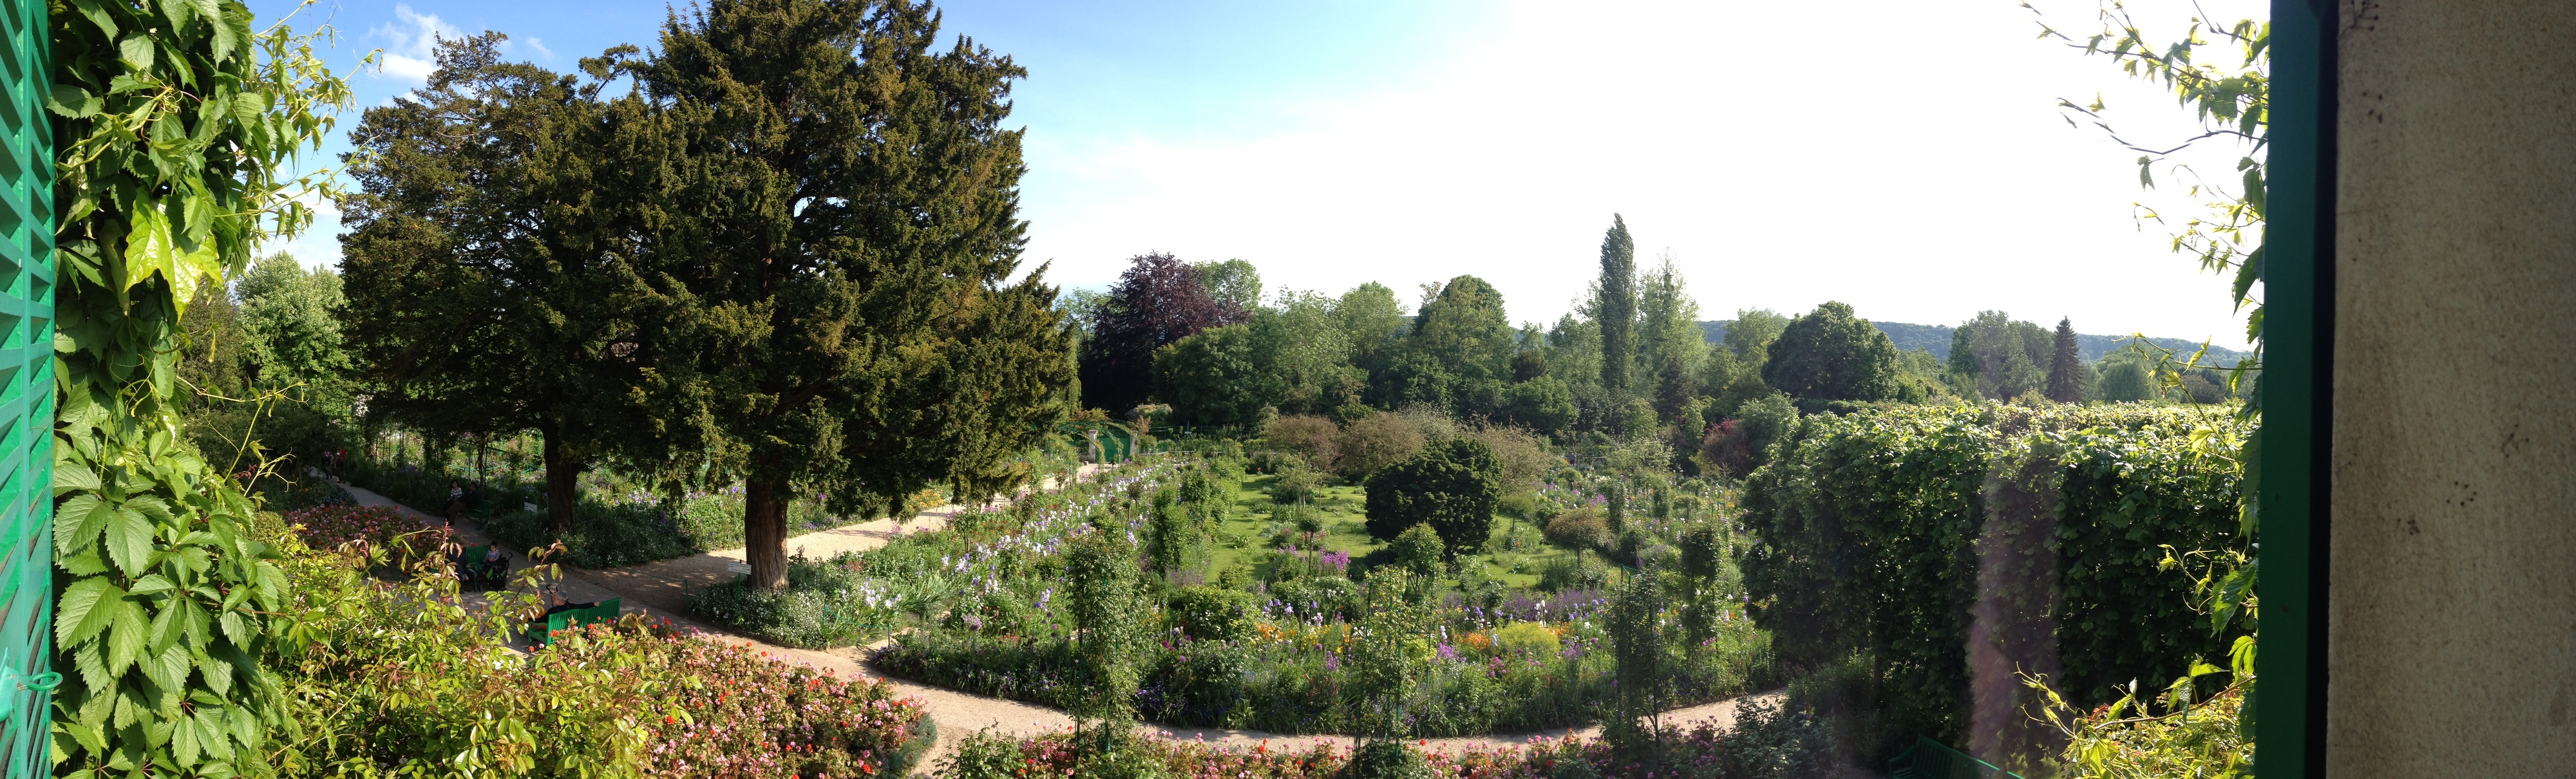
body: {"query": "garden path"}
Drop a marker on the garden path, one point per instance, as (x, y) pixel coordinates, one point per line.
(657, 591)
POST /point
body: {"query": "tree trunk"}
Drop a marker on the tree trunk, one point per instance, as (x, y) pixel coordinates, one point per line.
(563, 482)
(764, 533)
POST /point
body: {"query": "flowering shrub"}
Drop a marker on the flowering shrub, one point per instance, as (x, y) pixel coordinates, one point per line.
(408, 680)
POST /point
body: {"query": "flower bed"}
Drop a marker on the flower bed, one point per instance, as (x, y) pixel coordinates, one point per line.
(1764, 743)
(406, 678)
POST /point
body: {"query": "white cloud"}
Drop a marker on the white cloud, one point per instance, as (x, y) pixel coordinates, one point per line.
(1904, 157)
(411, 42)
(532, 42)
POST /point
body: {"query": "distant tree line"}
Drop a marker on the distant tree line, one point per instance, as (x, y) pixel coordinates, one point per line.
(1632, 360)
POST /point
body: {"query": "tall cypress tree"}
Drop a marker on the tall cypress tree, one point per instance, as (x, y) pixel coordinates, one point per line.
(1614, 305)
(2066, 369)
(852, 223)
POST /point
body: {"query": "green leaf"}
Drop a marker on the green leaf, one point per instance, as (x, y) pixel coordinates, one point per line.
(84, 564)
(129, 540)
(73, 102)
(80, 614)
(78, 522)
(152, 249)
(137, 51)
(74, 477)
(125, 638)
(183, 743)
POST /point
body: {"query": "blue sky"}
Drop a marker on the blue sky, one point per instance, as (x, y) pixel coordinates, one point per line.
(1905, 157)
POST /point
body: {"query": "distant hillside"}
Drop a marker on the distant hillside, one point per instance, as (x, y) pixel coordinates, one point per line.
(1936, 338)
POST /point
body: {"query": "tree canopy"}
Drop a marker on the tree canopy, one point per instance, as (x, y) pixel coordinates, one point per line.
(1830, 354)
(1157, 301)
(848, 327)
(492, 290)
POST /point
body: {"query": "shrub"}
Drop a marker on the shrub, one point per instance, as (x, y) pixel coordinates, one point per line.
(1418, 551)
(1520, 457)
(1574, 572)
(1297, 485)
(1314, 439)
(1386, 759)
(826, 604)
(1213, 614)
(1328, 597)
(1582, 527)
(1377, 441)
(1527, 637)
(1452, 485)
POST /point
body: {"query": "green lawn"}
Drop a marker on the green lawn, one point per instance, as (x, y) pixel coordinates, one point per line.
(1244, 540)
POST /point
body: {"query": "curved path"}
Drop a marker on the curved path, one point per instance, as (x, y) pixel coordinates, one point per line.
(658, 590)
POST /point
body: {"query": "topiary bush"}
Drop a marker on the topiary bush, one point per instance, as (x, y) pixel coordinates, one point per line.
(1213, 614)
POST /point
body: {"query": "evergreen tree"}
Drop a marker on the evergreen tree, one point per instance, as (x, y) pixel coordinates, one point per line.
(1614, 305)
(1453, 485)
(490, 290)
(2065, 368)
(852, 227)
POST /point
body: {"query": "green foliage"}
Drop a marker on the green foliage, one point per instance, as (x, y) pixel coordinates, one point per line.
(1641, 651)
(479, 302)
(1101, 592)
(2125, 381)
(1373, 442)
(1614, 306)
(1213, 379)
(1418, 550)
(1577, 571)
(1231, 281)
(1451, 485)
(1386, 759)
(1314, 440)
(1867, 529)
(1830, 354)
(2065, 368)
(941, 369)
(172, 121)
(825, 605)
(1213, 614)
(2129, 739)
(407, 679)
(1542, 404)
(1464, 332)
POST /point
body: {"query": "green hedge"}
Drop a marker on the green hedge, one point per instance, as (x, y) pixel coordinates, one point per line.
(1872, 528)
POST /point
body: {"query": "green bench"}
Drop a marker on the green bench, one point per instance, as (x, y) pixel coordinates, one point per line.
(1929, 759)
(567, 619)
(470, 568)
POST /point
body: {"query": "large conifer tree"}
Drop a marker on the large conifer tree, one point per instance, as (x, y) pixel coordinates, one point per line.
(1614, 305)
(852, 226)
(2066, 368)
(492, 263)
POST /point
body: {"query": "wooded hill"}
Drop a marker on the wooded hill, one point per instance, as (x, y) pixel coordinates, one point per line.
(1936, 338)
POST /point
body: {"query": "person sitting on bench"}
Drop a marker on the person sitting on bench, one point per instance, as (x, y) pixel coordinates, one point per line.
(494, 564)
(562, 605)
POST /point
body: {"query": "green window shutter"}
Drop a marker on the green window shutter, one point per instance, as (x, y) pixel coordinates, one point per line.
(26, 393)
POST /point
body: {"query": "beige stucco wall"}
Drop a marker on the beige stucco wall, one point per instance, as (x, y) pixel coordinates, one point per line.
(2452, 636)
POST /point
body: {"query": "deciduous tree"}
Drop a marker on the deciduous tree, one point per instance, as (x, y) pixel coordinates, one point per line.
(1157, 301)
(1453, 485)
(1829, 354)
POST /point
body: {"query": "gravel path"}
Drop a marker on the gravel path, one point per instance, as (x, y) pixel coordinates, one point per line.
(658, 590)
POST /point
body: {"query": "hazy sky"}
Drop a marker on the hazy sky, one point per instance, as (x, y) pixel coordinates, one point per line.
(1904, 157)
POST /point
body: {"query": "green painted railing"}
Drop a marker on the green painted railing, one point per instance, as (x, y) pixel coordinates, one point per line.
(26, 394)
(1929, 759)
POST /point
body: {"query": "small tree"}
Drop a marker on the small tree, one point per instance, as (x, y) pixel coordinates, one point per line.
(1453, 485)
(2065, 368)
(1638, 648)
(1102, 594)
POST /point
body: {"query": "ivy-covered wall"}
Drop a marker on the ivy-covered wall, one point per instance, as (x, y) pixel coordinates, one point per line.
(1963, 546)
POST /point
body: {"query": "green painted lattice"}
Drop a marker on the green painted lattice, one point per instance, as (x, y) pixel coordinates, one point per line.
(26, 393)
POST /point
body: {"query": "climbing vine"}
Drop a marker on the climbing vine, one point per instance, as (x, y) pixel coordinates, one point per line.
(173, 121)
